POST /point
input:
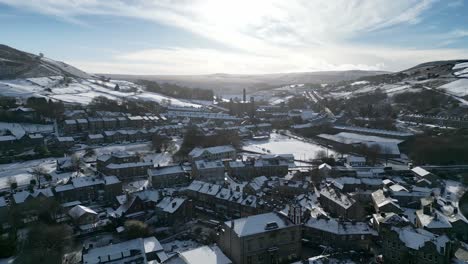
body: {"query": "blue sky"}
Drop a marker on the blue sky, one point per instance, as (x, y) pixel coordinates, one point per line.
(243, 36)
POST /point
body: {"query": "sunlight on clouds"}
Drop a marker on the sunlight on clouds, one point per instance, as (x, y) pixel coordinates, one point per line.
(266, 35)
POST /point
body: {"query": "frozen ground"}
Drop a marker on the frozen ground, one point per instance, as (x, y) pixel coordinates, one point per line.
(457, 88)
(460, 66)
(21, 171)
(82, 91)
(280, 144)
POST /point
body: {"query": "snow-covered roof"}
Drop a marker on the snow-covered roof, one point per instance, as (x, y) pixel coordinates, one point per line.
(128, 165)
(111, 180)
(341, 199)
(161, 171)
(170, 205)
(20, 197)
(340, 228)
(205, 255)
(380, 200)
(203, 164)
(416, 238)
(127, 251)
(436, 220)
(7, 138)
(420, 171)
(257, 224)
(79, 210)
(197, 152)
(195, 186)
(210, 189)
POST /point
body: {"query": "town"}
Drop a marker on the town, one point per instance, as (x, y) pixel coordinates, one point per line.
(276, 177)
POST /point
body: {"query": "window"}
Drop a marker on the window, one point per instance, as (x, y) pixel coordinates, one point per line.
(261, 242)
(250, 245)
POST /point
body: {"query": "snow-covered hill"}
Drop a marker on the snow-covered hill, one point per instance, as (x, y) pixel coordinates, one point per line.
(23, 75)
(449, 77)
(82, 91)
(16, 64)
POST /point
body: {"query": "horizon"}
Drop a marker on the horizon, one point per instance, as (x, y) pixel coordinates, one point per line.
(265, 37)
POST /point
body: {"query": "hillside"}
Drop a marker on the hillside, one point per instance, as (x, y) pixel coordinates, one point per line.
(15, 64)
(234, 83)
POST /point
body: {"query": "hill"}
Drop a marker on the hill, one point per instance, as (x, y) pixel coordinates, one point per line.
(234, 83)
(16, 64)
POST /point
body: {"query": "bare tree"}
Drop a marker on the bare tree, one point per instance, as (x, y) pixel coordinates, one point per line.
(76, 162)
(38, 172)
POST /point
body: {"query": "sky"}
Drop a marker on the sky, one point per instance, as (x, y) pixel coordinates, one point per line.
(163, 37)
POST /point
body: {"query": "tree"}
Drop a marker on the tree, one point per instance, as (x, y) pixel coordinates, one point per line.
(321, 154)
(45, 244)
(160, 143)
(12, 183)
(37, 173)
(136, 229)
(76, 162)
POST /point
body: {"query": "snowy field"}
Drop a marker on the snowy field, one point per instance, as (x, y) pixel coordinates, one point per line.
(457, 88)
(280, 144)
(21, 171)
(83, 91)
(460, 66)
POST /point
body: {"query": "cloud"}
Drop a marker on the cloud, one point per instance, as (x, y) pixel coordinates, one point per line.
(262, 35)
(180, 60)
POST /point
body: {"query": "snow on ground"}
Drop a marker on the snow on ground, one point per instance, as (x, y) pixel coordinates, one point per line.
(19, 88)
(457, 88)
(21, 171)
(461, 73)
(158, 98)
(454, 190)
(460, 66)
(19, 129)
(82, 91)
(359, 83)
(277, 100)
(46, 81)
(280, 144)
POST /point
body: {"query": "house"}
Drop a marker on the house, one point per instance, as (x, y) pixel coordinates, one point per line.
(210, 171)
(69, 127)
(169, 176)
(340, 204)
(263, 238)
(355, 161)
(415, 245)
(95, 139)
(82, 215)
(424, 177)
(82, 125)
(338, 234)
(125, 171)
(200, 255)
(384, 204)
(212, 153)
(131, 206)
(173, 211)
(88, 189)
(139, 250)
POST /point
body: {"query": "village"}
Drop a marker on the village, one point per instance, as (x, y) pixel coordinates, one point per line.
(234, 181)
